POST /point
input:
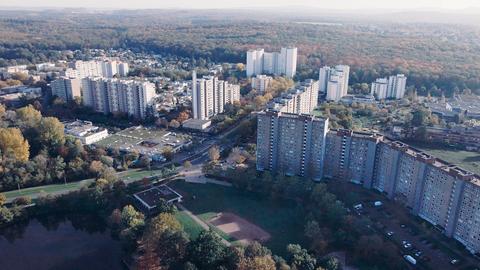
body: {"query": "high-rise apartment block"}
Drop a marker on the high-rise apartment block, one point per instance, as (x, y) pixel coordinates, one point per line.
(261, 83)
(302, 99)
(115, 95)
(66, 88)
(443, 194)
(210, 96)
(278, 63)
(334, 81)
(292, 144)
(440, 193)
(393, 87)
(106, 68)
(379, 88)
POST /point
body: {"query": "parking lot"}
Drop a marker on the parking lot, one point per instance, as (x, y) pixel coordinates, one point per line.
(145, 140)
(415, 237)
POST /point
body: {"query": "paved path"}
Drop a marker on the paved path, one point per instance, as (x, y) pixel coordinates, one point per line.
(200, 222)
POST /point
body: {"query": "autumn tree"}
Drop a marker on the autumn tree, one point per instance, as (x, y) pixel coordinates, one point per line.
(214, 154)
(13, 144)
(51, 132)
(183, 116)
(187, 164)
(29, 116)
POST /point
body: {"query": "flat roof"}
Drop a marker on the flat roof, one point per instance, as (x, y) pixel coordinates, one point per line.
(152, 196)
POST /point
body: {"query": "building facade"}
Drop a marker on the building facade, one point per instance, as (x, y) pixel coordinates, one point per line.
(261, 83)
(66, 88)
(393, 87)
(106, 68)
(210, 96)
(334, 81)
(445, 195)
(278, 63)
(301, 99)
(291, 144)
(118, 96)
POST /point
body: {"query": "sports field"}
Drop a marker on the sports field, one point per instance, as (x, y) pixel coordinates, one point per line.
(240, 216)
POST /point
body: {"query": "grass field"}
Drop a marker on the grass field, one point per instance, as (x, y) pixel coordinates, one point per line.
(33, 192)
(189, 225)
(282, 219)
(466, 159)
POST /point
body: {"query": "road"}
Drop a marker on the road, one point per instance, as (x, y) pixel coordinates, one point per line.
(197, 157)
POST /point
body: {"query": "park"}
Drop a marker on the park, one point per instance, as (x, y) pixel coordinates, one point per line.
(241, 217)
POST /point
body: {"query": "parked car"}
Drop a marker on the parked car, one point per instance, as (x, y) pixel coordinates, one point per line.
(390, 233)
(410, 259)
(454, 261)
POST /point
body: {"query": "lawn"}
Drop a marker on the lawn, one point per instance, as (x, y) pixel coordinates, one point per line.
(281, 218)
(468, 160)
(189, 225)
(33, 192)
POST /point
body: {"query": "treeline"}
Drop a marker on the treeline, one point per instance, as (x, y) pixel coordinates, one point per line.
(34, 150)
(436, 58)
(329, 226)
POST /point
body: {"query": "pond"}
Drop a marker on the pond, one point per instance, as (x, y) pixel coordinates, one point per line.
(59, 242)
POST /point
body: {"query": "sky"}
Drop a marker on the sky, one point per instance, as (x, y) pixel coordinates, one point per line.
(198, 4)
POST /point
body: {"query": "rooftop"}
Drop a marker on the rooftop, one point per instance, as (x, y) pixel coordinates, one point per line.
(152, 196)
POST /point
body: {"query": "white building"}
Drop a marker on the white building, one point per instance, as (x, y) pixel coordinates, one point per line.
(379, 88)
(66, 88)
(334, 81)
(393, 87)
(210, 96)
(302, 99)
(106, 68)
(261, 83)
(396, 86)
(85, 131)
(278, 63)
(115, 95)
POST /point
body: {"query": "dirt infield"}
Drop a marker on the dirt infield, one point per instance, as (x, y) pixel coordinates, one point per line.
(239, 228)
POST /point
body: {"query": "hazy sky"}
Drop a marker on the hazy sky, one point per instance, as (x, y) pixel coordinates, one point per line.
(327, 4)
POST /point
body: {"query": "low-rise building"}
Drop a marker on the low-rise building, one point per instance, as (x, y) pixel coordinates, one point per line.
(261, 83)
(467, 137)
(197, 124)
(85, 131)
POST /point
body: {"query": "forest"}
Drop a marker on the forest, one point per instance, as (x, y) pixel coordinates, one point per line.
(436, 57)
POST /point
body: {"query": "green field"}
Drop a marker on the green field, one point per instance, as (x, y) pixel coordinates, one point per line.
(466, 159)
(190, 226)
(282, 219)
(33, 192)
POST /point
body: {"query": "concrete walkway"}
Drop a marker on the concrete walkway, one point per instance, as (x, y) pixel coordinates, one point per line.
(200, 222)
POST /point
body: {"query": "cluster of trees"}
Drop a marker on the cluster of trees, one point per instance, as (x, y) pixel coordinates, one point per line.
(340, 116)
(278, 86)
(161, 243)
(329, 226)
(35, 151)
(420, 51)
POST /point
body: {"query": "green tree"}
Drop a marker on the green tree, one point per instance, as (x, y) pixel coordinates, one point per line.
(51, 133)
(299, 258)
(6, 215)
(131, 218)
(207, 251)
